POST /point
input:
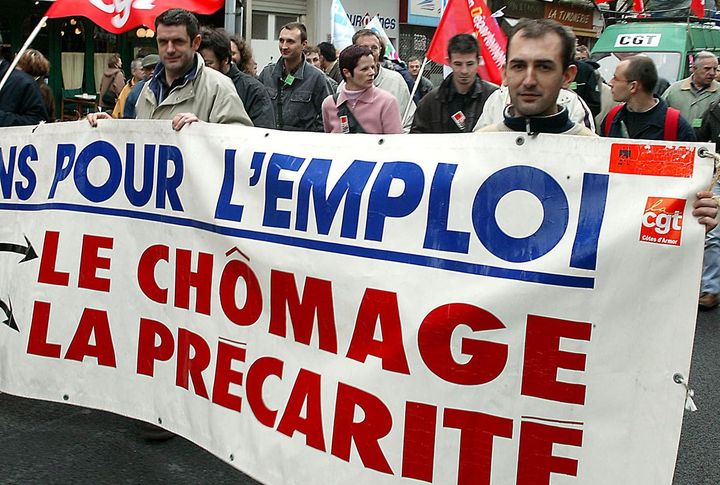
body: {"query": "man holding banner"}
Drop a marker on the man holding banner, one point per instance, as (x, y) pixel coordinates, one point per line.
(183, 89)
(456, 105)
(540, 57)
(538, 66)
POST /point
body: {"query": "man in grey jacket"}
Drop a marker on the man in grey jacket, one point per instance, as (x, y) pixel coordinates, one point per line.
(296, 88)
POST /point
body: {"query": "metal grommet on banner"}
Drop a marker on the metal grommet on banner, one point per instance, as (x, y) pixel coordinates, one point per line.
(65, 397)
(689, 393)
(159, 420)
(705, 153)
(381, 141)
(520, 140)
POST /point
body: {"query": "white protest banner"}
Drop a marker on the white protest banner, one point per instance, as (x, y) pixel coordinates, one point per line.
(480, 308)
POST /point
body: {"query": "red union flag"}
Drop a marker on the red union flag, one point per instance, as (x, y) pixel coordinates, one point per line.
(471, 17)
(119, 16)
(698, 7)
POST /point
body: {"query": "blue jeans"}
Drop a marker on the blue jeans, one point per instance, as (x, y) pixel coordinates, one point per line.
(711, 258)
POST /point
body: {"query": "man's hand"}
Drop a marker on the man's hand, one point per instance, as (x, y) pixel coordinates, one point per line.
(93, 117)
(705, 208)
(182, 119)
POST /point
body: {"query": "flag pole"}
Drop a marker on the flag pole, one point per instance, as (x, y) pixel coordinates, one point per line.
(25, 46)
(414, 89)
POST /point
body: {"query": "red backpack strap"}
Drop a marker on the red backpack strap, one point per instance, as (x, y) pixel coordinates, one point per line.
(610, 117)
(672, 120)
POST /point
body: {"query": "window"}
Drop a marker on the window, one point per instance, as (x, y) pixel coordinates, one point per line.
(266, 26)
(260, 22)
(281, 20)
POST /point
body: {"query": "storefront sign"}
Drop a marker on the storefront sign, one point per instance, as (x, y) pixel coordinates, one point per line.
(360, 12)
(570, 16)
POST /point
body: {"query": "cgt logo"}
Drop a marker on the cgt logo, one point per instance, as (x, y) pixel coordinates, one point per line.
(662, 221)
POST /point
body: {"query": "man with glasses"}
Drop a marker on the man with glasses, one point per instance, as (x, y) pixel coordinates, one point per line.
(387, 79)
(642, 116)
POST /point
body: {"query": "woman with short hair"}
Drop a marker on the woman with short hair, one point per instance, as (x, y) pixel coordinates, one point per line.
(37, 65)
(360, 107)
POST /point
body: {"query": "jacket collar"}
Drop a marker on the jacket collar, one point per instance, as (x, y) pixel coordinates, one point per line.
(280, 65)
(686, 85)
(379, 76)
(368, 97)
(447, 87)
(157, 86)
(560, 122)
(660, 106)
(234, 72)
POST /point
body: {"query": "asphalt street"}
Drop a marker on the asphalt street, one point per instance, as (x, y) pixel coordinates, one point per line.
(698, 461)
(50, 443)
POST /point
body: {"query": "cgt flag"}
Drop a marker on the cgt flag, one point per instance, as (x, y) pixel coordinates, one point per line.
(121, 16)
(471, 17)
(698, 8)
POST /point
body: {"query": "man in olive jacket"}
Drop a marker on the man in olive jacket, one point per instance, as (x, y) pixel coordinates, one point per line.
(182, 88)
(456, 105)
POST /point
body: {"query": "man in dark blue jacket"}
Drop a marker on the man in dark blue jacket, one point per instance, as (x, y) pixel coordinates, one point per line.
(643, 116)
(20, 99)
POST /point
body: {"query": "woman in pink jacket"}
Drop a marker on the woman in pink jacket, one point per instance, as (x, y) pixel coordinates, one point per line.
(360, 107)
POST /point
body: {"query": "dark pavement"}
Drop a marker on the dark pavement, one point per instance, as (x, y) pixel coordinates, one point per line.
(698, 461)
(49, 443)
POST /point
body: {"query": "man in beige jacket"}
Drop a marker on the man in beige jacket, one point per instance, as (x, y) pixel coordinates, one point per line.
(182, 89)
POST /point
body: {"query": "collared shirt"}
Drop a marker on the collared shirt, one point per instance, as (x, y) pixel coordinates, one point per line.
(159, 85)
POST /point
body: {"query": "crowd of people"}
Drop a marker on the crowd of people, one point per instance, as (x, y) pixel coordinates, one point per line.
(550, 85)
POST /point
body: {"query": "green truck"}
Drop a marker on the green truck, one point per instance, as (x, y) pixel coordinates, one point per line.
(670, 44)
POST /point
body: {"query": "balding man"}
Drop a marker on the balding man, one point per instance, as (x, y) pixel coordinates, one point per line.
(642, 115)
(692, 96)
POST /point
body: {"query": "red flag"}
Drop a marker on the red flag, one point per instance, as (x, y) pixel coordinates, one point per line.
(638, 5)
(471, 17)
(119, 17)
(698, 7)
